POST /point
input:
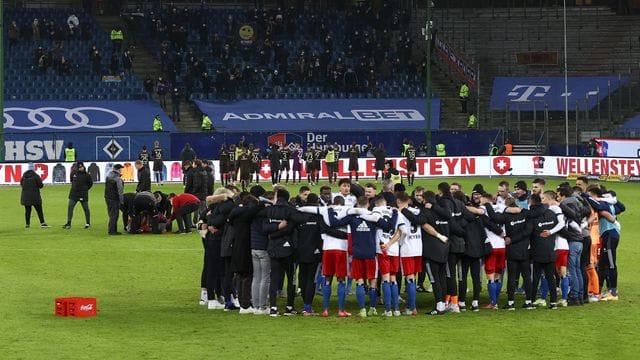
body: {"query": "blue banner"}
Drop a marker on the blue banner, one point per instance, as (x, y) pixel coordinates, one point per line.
(20, 147)
(83, 116)
(207, 145)
(522, 92)
(322, 115)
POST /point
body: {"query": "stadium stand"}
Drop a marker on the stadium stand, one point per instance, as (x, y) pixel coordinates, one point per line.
(33, 66)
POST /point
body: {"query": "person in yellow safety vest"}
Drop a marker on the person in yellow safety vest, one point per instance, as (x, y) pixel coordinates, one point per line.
(440, 150)
(405, 146)
(464, 97)
(473, 121)
(157, 123)
(206, 123)
(70, 153)
(116, 39)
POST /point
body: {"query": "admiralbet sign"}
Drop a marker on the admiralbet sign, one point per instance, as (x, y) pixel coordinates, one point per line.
(323, 114)
(360, 115)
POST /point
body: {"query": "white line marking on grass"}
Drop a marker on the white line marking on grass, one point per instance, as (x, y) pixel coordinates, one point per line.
(102, 250)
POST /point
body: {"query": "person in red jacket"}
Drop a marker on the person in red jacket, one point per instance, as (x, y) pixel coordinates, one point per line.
(183, 205)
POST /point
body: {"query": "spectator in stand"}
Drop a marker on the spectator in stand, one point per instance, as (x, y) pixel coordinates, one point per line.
(161, 89)
(203, 33)
(206, 84)
(117, 37)
(149, 85)
(73, 26)
(35, 30)
(127, 61)
(96, 62)
(114, 65)
(175, 104)
(14, 34)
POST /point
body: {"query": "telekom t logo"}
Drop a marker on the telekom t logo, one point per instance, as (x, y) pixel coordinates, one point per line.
(525, 91)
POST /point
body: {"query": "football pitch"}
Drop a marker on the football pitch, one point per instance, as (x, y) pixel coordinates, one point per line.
(148, 286)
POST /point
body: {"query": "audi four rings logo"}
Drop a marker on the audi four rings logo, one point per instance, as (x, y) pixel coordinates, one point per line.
(43, 118)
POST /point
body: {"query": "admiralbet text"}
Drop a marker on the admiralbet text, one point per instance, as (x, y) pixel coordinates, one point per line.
(360, 115)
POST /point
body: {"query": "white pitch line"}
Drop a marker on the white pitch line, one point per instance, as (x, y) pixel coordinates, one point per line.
(101, 250)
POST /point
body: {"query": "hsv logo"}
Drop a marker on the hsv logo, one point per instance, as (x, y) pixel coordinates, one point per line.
(523, 92)
(501, 164)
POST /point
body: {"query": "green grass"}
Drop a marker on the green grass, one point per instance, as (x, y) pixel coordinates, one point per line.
(147, 288)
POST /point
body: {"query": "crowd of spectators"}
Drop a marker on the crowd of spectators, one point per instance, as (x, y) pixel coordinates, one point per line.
(230, 54)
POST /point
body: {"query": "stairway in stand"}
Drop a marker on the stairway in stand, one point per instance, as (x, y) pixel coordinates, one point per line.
(144, 63)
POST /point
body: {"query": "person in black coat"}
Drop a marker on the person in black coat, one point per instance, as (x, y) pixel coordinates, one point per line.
(274, 162)
(241, 262)
(308, 253)
(81, 182)
(281, 249)
(474, 237)
(380, 154)
(31, 184)
(187, 153)
(221, 203)
(543, 254)
(144, 177)
(197, 184)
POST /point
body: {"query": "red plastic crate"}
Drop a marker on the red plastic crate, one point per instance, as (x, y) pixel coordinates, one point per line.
(76, 306)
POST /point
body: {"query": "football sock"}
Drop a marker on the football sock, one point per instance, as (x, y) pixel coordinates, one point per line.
(386, 295)
(394, 296)
(307, 308)
(411, 295)
(342, 294)
(491, 289)
(498, 290)
(564, 286)
(326, 296)
(454, 299)
(373, 297)
(544, 288)
(360, 295)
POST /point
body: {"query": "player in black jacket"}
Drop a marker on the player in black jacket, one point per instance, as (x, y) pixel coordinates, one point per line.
(81, 182)
(308, 252)
(543, 252)
(281, 249)
(144, 177)
(474, 237)
(518, 230)
(435, 250)
(457, 225)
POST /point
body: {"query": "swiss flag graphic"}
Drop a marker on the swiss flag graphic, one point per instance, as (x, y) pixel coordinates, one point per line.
(279, 138)
(42, 170)
(501, 164)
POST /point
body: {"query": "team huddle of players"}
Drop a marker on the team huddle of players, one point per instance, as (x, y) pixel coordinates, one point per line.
(562, 240)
